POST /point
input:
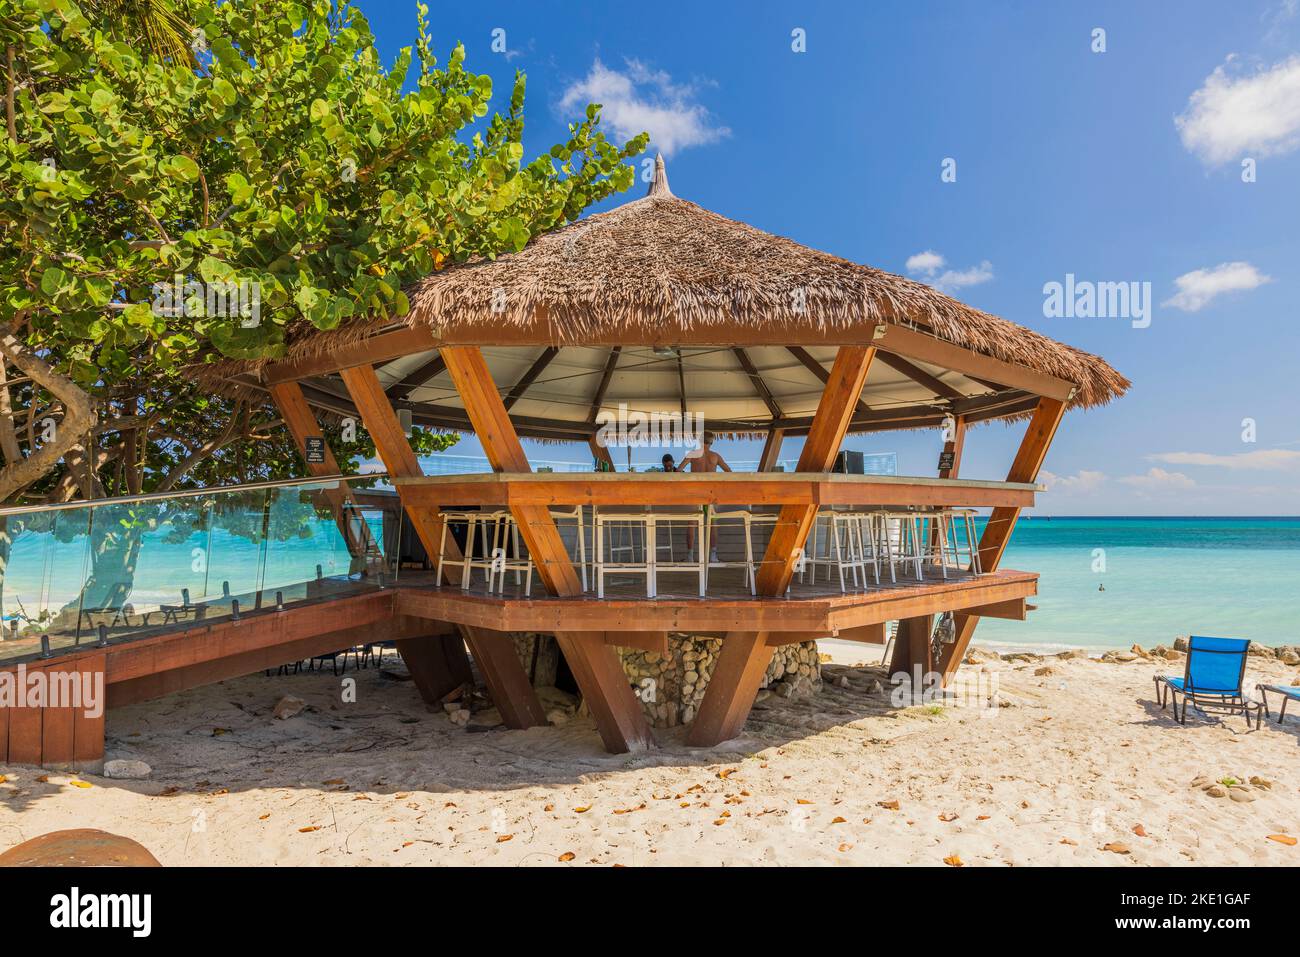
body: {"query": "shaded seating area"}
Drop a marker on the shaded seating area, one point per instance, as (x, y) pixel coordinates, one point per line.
(646, 325)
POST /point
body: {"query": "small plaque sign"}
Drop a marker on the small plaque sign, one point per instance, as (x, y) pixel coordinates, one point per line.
(946, 461)
(315, 450)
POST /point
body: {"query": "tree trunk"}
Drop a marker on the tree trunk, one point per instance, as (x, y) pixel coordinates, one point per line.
(77, 425)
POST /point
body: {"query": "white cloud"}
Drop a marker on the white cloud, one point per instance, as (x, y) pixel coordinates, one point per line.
(1232, 116)
(1156, 480)
(1261, 460)
(959, 278)
(927, 265)
(1082, 482)
(1197, 288)
(639, 99)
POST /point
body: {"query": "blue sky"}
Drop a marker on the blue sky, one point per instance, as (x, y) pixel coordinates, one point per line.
(1115, 166)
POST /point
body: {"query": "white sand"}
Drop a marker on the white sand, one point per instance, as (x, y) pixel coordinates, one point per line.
(1082, 757)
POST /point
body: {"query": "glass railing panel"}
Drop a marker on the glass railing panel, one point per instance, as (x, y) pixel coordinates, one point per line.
(41, 592)
(150, 563)
(237, 555)
(124, 567)
(318, 544)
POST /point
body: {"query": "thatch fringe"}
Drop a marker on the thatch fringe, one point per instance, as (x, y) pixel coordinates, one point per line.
(661, 264)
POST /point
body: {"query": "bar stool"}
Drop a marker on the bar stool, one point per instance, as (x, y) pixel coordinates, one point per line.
(507, 530)
(575, 515)
(840, 544)
(899, 537)
(935, 527)
(486, 524)
(964, 519)
(664, 521)
(949, 529)
(746, 519)
(622, 527)
(866, 542)
(520, 563)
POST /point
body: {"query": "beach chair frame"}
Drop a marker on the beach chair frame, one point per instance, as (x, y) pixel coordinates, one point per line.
(1287, 693)
(1207, 701)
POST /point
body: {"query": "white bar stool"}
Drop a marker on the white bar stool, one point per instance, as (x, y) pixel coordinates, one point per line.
(622, 528)
(507, 530)
(866, 542)
(900, 540)
(837, 543)
(745, 518)
(936, 542)
(574, 514)
(664, 521)
(957, 527)
(487, 525)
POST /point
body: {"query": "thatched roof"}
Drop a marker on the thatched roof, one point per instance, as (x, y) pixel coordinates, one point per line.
(664, 272)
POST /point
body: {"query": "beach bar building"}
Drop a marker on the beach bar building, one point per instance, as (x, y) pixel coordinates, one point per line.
(661, 315)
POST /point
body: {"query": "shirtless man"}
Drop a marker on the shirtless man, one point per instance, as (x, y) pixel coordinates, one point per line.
(705, 460)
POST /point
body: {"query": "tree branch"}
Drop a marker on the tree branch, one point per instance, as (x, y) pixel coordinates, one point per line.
(78, 418)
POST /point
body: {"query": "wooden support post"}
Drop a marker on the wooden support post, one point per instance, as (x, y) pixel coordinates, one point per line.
(912, 654)
(997, 533)
(745, 655)
(302, 425)
(771, 450)
(437, 664)
(595, 665)
(504, 674)
(951, 447)
(600, 453)
(830, 423)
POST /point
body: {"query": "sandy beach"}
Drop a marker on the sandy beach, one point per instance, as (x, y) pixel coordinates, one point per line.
(1075, 764)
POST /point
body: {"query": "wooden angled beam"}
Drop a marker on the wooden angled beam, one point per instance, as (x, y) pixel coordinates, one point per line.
(597, 400)
(911, 344)
(507, 682)
(954, 447)
(529, 377)
(829, 426)
(759, 385)
(400, 391)
(595, 665)
(771, 455)
(301, 422)
(919, 376)
(1002, 522)
(745, 655)
(820, 371)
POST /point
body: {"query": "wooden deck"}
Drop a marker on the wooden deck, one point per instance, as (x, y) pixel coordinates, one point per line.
(423, 618)
(820, 610)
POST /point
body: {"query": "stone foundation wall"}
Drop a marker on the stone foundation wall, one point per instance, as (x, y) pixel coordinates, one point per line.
(671, 687)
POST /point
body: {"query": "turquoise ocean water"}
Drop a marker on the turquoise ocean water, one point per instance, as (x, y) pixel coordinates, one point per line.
(1163, 577)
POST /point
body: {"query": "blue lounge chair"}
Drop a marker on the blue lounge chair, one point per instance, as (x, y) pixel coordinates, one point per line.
(1288, 693)
(1215, 668)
